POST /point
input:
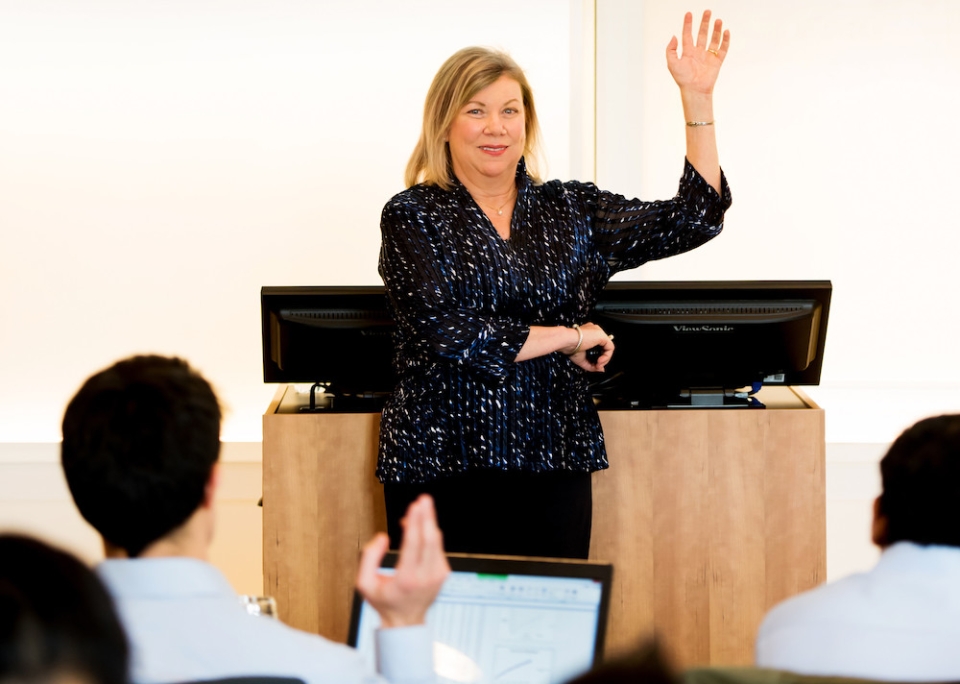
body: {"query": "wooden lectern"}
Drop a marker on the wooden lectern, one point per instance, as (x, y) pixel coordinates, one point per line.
(710, 517)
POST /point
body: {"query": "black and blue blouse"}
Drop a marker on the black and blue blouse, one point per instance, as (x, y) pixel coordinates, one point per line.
(464, 300)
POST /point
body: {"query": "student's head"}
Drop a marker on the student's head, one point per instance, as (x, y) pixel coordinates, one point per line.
(57, 622)
(140, 440)
(646, 665)
(920, 502)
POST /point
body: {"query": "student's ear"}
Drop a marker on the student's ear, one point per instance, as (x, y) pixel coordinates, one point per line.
(879, 527)
(113, 551)
(210, 489)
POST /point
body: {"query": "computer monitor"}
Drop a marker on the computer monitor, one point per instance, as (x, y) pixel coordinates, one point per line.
(678, 343)
(339, 337)
(501, 619)
(696, 343)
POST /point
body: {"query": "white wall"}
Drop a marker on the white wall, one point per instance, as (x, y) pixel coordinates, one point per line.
(162, 160)
(837, 133)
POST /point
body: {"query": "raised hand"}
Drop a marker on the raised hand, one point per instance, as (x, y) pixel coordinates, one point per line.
(402, 599)
(696, 69)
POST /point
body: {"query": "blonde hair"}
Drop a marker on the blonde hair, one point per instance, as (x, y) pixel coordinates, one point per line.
(462, 76)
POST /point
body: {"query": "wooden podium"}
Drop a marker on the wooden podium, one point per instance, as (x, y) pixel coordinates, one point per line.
(710, 517)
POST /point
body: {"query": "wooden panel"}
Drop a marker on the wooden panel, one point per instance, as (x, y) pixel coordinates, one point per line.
(795, 494)
(709, 516)
(321, 504)
(681, 533)
(623, 532)
(737, 542)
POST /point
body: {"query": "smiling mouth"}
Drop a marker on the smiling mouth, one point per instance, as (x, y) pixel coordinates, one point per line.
(493, 148)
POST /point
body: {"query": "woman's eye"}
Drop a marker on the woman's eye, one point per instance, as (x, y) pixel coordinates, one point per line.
(474, 112)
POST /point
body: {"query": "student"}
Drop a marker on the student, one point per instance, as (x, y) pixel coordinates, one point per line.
(900, 620)
(57, 622)
(140, 449)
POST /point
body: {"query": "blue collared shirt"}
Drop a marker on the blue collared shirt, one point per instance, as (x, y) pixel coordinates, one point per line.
(900, 621)
(185, 622)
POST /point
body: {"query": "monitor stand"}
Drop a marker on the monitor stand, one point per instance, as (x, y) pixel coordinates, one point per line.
(326, 399)
(714, 397)
(323, 403)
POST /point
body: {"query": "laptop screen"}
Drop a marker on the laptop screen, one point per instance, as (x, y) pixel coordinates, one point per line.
(508, 620)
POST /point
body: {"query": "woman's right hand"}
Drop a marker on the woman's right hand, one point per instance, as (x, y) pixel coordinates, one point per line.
(544, 340)
(593, 336)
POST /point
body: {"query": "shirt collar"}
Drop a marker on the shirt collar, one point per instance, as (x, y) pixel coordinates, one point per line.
(163, 577)
(908, 556)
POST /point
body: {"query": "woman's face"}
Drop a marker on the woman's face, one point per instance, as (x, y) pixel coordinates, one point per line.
(487, 135)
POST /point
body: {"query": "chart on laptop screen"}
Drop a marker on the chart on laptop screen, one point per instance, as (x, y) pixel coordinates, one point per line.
(509, 628)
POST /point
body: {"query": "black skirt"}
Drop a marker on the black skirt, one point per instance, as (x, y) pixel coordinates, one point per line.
(503, 512)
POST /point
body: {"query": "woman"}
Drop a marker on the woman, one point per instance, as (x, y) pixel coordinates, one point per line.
(491, 276)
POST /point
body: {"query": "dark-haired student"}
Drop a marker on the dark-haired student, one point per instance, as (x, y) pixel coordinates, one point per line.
(57, 622)
(645, 665)
(141, 441)
(901, 620)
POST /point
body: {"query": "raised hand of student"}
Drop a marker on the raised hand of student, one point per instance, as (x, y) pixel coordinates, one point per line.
(403, 598)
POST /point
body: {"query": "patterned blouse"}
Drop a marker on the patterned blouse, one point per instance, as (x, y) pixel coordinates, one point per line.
(464, 300)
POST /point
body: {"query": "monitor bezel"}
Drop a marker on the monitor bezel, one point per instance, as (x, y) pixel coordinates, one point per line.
(275, 298)
(516, 565)
(820, 291)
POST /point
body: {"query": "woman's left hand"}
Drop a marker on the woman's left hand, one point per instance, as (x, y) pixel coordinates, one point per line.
(696, 70)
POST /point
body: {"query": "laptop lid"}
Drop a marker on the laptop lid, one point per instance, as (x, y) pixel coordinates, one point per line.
(505, 619)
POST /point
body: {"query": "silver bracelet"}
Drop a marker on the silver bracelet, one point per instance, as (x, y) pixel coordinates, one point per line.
(579, 342)
(699, 123)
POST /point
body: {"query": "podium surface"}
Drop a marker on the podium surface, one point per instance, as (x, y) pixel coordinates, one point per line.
(710, 517)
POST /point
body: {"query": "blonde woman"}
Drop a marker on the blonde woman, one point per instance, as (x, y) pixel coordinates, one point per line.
(491, 275)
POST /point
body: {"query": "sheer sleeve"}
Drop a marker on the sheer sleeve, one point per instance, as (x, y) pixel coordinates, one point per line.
(629, 233)
(436, 326)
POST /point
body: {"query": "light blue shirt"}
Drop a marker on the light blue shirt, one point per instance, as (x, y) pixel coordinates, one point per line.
(185, 622)
(899, 621)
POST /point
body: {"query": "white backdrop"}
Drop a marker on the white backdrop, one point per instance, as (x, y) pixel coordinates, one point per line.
(835, 122)
(162, 160)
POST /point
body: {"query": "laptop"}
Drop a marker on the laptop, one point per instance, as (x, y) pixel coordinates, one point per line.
(508, 620)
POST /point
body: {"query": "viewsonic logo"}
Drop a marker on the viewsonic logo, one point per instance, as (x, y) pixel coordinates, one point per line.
(702, 328)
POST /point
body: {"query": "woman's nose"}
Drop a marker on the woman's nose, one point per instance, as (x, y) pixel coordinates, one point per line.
(495, 126)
